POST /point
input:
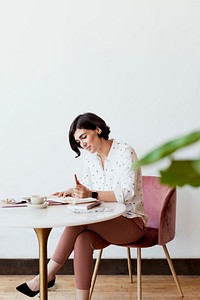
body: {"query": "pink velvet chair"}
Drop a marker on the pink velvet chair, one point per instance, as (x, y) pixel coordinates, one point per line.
(160, 206)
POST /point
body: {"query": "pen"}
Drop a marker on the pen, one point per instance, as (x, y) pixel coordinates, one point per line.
(76, 180)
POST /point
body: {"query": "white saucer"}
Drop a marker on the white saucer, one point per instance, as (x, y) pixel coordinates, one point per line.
(37, 206)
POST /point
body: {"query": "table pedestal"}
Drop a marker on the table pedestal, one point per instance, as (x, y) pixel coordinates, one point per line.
(42, 235)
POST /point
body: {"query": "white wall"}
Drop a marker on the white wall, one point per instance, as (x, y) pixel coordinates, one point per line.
(135, 63)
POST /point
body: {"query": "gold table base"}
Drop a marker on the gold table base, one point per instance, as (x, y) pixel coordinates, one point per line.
(42, 235)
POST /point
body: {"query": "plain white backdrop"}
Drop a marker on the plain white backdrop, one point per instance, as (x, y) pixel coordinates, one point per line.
(134, 63)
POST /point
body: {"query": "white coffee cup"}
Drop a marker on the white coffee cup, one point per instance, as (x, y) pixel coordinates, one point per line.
(38, 200)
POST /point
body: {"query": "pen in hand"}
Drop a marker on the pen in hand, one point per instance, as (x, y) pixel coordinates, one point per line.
(77, 183)
(82, 191)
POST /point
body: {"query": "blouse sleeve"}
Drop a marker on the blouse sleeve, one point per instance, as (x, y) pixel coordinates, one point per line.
(128, 177)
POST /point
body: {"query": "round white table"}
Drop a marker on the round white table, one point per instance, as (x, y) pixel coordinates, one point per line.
(43, 220)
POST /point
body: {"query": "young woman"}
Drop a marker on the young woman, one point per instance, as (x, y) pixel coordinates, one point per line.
(108, 175)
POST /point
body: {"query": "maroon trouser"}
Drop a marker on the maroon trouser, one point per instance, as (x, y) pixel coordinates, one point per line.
(84, 239)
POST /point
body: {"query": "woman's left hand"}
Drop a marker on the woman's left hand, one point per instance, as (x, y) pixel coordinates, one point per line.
(81, 191)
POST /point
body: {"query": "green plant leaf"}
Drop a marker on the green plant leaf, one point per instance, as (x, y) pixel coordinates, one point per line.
(196, 165)
(182, 172)
(168, 148)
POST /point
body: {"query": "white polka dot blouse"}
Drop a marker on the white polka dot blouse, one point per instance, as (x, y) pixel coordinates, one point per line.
(118, 176)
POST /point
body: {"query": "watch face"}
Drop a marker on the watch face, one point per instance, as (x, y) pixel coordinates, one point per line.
(94, 195)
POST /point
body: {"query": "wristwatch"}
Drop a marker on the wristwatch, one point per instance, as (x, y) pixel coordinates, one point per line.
(94, 195)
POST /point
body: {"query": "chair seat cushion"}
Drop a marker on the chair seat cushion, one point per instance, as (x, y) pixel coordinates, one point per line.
(150, 239)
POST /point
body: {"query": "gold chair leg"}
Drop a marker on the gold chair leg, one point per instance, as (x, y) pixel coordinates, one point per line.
(173, 270)
(139, 275)
(95, 272)
(129, 264)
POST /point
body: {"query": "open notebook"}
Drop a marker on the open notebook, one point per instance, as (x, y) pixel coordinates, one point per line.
(71, 200)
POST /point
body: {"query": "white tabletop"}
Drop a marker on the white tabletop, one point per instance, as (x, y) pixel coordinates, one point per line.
(55, 216)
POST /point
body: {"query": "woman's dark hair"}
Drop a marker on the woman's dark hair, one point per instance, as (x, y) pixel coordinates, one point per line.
(87, 121)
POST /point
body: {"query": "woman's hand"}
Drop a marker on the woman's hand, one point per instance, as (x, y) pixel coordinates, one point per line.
(80, 191)
(68, 192)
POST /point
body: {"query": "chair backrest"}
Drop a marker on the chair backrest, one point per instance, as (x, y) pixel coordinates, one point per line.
(160, 207)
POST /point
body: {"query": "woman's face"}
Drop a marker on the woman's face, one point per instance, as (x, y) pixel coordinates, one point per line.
(88, 139)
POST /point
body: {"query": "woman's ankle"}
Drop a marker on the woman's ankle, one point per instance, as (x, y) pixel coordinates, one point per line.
(53, 268)
(51, 277)
(82, 294)
(34, 284)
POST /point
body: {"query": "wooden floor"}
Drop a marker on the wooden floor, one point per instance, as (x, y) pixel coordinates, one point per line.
(110, 287)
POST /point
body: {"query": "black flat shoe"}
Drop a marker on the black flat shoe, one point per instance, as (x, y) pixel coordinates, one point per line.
(24, 289)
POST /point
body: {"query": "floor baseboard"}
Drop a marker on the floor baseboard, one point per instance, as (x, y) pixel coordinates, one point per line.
(106, 267)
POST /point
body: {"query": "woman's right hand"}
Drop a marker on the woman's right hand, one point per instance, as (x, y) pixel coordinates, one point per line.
(68, 192)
